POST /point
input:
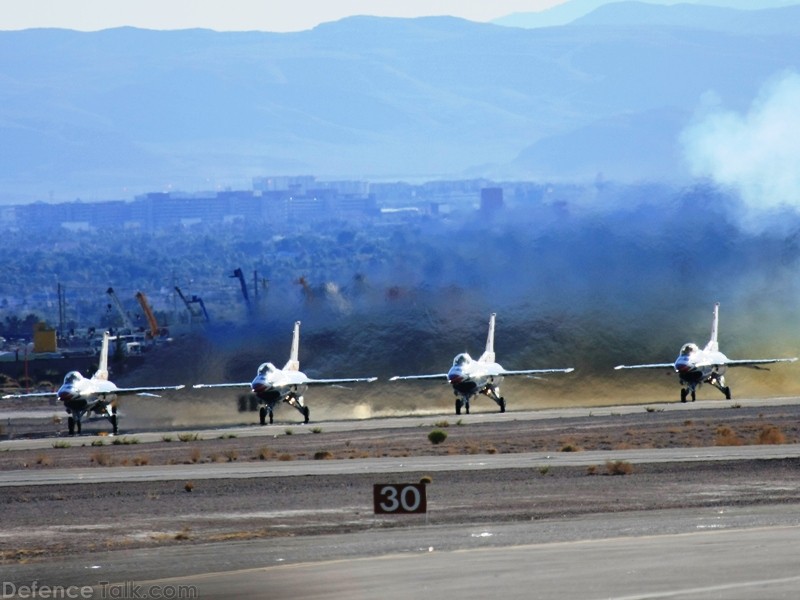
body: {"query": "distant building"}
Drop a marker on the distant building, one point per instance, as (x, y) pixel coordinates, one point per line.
(491, 199)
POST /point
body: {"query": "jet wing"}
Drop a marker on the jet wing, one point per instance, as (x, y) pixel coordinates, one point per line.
(145, 391)
(30, 395)
(246, 384)
(536, 371)
(650, 366)
(335, 381)
(434, 376)
(754, 363)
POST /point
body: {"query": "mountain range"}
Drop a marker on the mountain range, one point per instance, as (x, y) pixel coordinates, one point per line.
(113, 113)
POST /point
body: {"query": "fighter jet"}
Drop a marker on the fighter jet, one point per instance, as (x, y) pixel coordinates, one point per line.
(695, 367)
(470, 377)
(94, 397)
(288, 384)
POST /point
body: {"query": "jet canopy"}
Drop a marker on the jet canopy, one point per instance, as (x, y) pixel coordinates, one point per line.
(266, 367)
(462, 359)
(72, 377)
(689, 349)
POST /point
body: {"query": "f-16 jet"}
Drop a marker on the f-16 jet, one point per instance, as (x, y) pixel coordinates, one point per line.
(272, 384)
(95, 397)
(695, 366)
(470, 377)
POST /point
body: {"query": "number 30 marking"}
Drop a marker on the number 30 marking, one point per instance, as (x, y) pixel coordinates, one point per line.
(400, 498)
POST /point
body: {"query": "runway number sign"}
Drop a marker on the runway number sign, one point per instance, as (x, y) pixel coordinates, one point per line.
(399, 498)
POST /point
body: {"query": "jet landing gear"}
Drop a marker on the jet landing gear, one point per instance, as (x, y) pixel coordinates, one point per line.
(113, 420)
(263, 412)
(463, 401)
(494, 394)
(685, 392)
(298, 403)
(72, 425)
(718, 381)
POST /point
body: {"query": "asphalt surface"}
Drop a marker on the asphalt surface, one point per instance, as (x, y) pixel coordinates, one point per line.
(736, 553)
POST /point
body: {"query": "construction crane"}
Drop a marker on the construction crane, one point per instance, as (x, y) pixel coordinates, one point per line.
(238, 274)
(126, 321)
(148, 313)
(195, 300)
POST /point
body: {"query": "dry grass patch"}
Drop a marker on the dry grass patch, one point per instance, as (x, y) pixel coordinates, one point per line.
(725, 436)
(265, 453)
(44, 460)
(101, 458)
(770, 435)
(619, 467)
(323, 455)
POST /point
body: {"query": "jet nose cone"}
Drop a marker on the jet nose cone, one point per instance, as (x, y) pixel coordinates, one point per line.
(455, 376)
(65, 395)
(258, 385)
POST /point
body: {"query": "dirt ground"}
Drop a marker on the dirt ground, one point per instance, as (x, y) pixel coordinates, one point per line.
(45, 521)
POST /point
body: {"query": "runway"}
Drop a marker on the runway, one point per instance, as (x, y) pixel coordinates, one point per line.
(701, 565)
(702, 554)
(145, 436)
(724, 550)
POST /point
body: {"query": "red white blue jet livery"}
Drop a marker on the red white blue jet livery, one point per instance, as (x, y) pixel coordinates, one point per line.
(288, 384)
(470, 377)
(93, 397)
(695, 366)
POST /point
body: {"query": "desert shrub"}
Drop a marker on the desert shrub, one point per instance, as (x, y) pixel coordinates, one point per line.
(125, 441)
(323, 455)
(569, 447)
(619, 467)
(264, 453)
(725, 436)
(102, 458)
(770, 435)
(44, 460)
(437, 436)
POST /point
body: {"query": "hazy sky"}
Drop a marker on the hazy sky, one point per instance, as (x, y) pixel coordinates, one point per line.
(234, 15)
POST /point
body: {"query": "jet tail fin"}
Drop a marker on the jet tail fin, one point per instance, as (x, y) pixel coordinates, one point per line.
(102, 367)
(488, 355)
(713, 343)
(294, 357)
